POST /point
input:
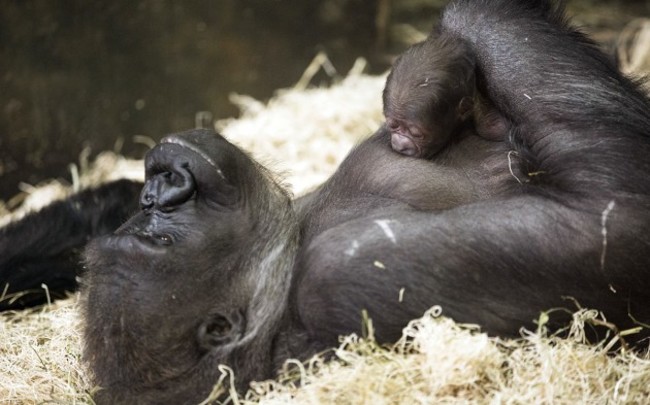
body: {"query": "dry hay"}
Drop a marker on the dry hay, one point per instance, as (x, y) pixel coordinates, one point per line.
(40, 356)
(305, 133)
(437, 361)
(634, 47)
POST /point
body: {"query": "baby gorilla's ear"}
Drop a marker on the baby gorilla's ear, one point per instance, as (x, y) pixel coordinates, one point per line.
(220, 329)
(465, 108)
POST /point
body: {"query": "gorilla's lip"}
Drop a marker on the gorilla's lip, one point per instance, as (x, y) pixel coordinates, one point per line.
(162, 239)
(125, 243)
(177, 140)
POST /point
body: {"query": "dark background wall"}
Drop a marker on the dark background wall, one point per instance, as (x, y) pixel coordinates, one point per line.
(77, 74)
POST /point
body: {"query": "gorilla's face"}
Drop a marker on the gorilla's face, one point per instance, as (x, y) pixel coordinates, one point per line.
(174, 284)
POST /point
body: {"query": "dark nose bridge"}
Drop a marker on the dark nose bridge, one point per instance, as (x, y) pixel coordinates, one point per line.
(169, 188)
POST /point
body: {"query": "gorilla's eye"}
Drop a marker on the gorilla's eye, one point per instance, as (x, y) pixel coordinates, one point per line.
(165, 239)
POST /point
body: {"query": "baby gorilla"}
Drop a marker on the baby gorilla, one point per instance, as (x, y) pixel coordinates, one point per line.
(431, 95)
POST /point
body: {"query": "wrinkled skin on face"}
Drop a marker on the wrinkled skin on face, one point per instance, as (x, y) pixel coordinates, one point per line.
(169, 296)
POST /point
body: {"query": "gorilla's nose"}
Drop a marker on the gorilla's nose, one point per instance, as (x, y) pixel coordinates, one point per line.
(403, 145)
(168, 188)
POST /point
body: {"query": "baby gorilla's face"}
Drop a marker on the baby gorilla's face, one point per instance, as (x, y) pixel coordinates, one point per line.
(408, 138)
(424, 134)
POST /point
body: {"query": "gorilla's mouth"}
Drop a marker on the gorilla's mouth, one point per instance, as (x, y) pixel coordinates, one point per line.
(137, 231)
(134, 242)
(162, 239)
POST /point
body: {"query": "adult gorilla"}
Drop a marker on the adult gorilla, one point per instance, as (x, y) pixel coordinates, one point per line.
(218, 267)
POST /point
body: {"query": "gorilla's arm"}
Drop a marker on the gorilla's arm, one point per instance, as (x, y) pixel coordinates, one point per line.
(577, 227)
(584, 125)
(43, 247)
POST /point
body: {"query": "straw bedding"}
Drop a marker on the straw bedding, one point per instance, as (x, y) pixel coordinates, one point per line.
(304, 134)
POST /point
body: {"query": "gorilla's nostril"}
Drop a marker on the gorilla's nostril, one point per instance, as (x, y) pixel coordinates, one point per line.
(168, 189)
(146, 201)
(178, 186)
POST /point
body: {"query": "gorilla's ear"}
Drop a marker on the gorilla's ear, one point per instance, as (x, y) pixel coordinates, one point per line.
(218, 329)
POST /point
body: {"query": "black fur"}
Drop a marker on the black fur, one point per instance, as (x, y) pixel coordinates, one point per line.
(191, 281)
(220, 267)
(43, 247)
(582, 132)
